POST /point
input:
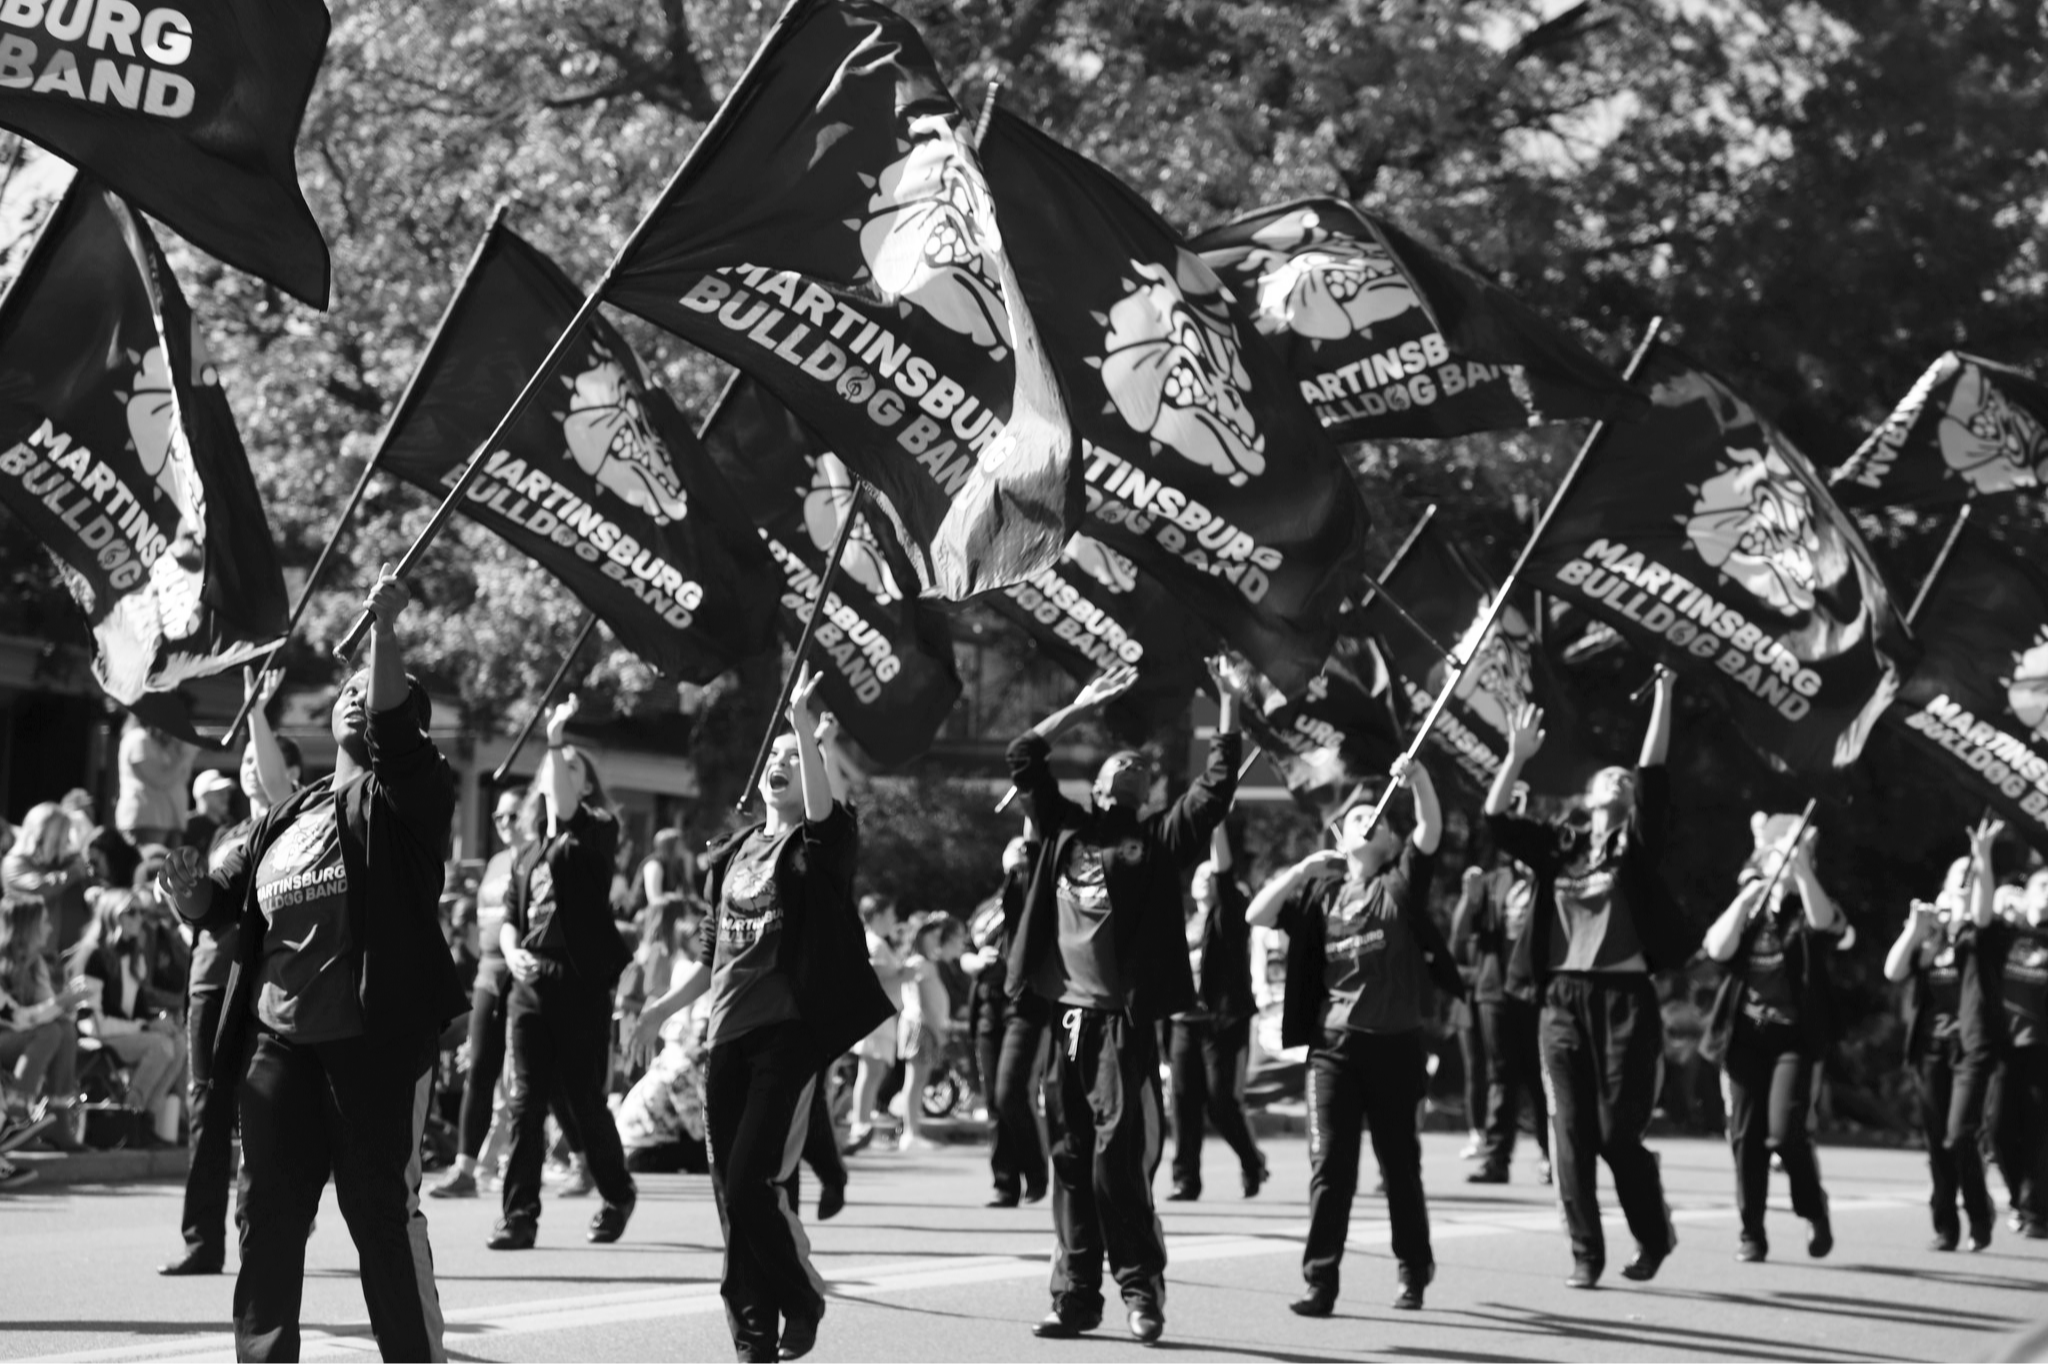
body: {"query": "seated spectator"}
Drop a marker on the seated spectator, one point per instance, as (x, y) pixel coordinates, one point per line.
(135, 1021)
(155, 767)
(38, 1037)
(170, 952)
(111, 857)
(44, 865)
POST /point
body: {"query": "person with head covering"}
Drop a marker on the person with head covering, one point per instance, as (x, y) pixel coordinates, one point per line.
(212, 806)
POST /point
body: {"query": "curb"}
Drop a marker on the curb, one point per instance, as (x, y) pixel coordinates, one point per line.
(103, 1168)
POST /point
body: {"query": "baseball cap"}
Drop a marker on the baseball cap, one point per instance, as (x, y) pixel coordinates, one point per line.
(210, 781)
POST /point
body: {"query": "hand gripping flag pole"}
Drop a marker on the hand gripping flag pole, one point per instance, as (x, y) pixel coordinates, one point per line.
(710, 137)
(547, 695)
(1500, 600)
(355, 497)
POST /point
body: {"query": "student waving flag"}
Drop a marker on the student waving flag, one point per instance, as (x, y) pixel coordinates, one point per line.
(1387, 338)
(832, 235)
(1707, 540)
(603, 483)
(1969, 426)
(1203, 465)
(119, 453)
(189, 110)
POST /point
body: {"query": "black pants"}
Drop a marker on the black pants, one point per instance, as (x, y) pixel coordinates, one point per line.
(213, 1134)
(1359, 1080)
(821, 1144)
(1951, 1109)
(1207, 1059)
(1603, 1042)
(757, 1105)
(1008, 1044)
(1472, 1053)
(559, 1031)
(2024, 1140)
(1514, 1068)
(353, 1110)
(1102, 1114)
(1769, 1082)
(489, 1004)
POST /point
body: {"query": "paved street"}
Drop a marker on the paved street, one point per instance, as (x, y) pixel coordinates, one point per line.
(920, 1271)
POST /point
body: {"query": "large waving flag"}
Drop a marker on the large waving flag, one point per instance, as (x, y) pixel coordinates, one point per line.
(832, 235)
(1340, 732)
(1978, 698)
(885, 659)
(1203, 465)
(1969, 426)
(118, 451)
(1707, 540)
(1387, 338)
(189, 110)
(602, 482)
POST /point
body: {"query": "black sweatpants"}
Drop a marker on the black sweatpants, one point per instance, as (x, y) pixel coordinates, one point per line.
(213, 1134)
(355, 1110)
(1373, 1080)
(1768, 1084)
(1207, 1061)
(821, 1145)
(558, 1032)
(489, 1004)
(1514, 1069)
(1603, 1044)
(2025, 1101)
(757, 1105)
(1951, 1112)
(1473, 1057)
(1009, 1042)
(1102, 1116)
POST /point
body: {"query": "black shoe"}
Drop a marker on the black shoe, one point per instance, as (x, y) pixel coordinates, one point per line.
(855, 1145)
(1752, 1249)
(196, 1262)
(1001, 1201)
(1821, 1235)
(1033, 1194)
(610, 1220)
(1061, 1325)
(1147, 1326)
(1255, 1178)
(1585, 1274)
(1943, 1241)
(1488, 1175)
(831, 1199)
(799, 1335)
(511, 1236)
(2036, 1230)
(1184, 1194)
(1646, 1264)
(1319, 1302)
(1414, 1279)
(1980, 1234)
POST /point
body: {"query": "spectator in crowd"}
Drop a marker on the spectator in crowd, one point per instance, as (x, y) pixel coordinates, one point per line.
(925, 1021)
(39, 1042)
(112, 857)
(877, 1052)
(667, 875)
(46, 865)
(1210, 1041)
(213, 794)
(155, 769)
(131, 1018)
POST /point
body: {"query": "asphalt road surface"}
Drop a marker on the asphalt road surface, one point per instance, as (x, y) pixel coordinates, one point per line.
(920, 1270)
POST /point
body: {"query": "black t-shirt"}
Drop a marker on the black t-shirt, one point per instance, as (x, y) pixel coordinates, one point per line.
(1085, 970)
(543, 931)
(1373, 969)
(1770, 996)
(749, 990)
(306, 987)
(2026, 988)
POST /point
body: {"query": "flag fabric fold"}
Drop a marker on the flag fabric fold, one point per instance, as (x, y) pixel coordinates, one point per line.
(119, 452)
(1339, 734)
(885, 658)
(1387, 338)
(191, 112)
(1969, 426)
(1708, 542)
(601, 482)
(832, 235)
(1202, 464)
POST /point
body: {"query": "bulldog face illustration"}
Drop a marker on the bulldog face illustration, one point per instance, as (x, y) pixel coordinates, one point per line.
(159, 437)
(1103, 564)
(1499, 681)
(1988, 441)
(826, 506)
(610, 438)
(931, 233)
(1321, 286)
(2027, 690)
(1754, 522)
(1173, 370)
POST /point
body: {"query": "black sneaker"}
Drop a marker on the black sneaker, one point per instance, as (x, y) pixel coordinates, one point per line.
(1319, 1302)
(831, 1199)
(1821, 1235)
(999, 1200)
(610, 1220)
(1944, 1241)
(1147, 1326)
(1585, 1274)
(1414, 1279)
(1752, 1249)
(511, 1236)
(1646, 1264)
(1184, 1194)
(1488, 1175)
(799, 1335)
(1255, 1178)
(1060, 1325)
(1980, 1234)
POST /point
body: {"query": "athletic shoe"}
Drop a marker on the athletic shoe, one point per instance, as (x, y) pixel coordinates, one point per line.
(1062, 1325)
(1319, 1302)
(1474, 1148)
(1943, 1241)
(1488, 1175)
(1822, 1235)
(455, 1185)
(1980, 1234)
(579, 1184)
(1184, 1194)
(2036, 1230)
(1032, 1194)
(1585, 1274)
(831, 1199)
(196, 1262)
(1147, 1326)
(610, 1220)
(857, 1140)
(1255, 1178)
(511, 1236)
(57, 1135)
(1646, 1264)
(1414, 1279)
(799, 1335)
(915, 1142)
(999, 1200)
(1752, 1249)
(13, 1177)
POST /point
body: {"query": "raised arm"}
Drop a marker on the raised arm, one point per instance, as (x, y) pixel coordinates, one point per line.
(810, 757)
(1725, 935)
(1029, 753)
(1657, 742)
(1264, 911)
(1219, 850)
(1429, 816)
(271, 773)
(1813, 897)
(557, 779)
(1923, 921)
(1525, 737)
(1983, 891)
(1104, 687)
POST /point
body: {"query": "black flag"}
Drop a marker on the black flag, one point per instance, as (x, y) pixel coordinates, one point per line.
(1340, 733)
(831, 234)
(886, 659)
(190, 110)
(118, 451)
(1202, 463)
(1709, 542)
(1978, 698)
(1969, 426)
(1388, 338)
(601, 482)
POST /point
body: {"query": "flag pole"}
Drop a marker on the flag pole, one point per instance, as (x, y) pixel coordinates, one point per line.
(803, 644)
(1948, 546)
(1500, 600)
(1798, 833)
(547, 695)
(988, 109)
(355, 497)
(1376, 586)
(712, 135)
